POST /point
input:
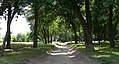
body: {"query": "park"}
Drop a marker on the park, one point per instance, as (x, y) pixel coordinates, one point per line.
(61, 32)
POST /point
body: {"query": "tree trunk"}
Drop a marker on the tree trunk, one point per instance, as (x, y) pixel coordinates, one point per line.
(75, 37)
(85, 25)
(88, 39)
(110, 28)
(8, 26)
(35, 25)
(44, 30)
(48, 36)
(51, 38)
(99, 38)
(105, 32)
(89, 25)
(8, 46)
(88, 15)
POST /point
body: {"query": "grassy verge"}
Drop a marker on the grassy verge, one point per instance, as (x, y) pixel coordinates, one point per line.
(22, 52)
(102, 53)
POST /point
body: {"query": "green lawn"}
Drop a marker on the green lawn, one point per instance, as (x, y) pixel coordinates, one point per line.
(102, 53)
(22, 52)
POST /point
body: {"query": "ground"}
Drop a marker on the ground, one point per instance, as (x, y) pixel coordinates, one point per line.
(61, 54)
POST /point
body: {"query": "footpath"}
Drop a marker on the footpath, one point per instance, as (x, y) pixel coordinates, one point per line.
(62, 54)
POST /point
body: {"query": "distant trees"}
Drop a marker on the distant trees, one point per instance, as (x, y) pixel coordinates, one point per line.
(22, 38)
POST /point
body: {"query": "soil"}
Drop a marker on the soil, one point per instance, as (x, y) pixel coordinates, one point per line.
(61, 54)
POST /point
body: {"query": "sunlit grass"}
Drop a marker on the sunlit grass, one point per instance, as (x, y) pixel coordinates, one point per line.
(103, 53)
(79, 46)
(22, 52)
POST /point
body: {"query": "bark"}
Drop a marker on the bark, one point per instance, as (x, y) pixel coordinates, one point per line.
(88, 15)
(3, 45)
(110, 28)
(99, 38)
(79, 37)
(88, 39)
(76, 42)
(89, 24)
(8, 46)
(35, 25)
(105, 33)
(48, 36)
(45, 35)
(85, 25)
(51, 39)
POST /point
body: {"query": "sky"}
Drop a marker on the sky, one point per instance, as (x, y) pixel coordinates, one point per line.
(19, 26)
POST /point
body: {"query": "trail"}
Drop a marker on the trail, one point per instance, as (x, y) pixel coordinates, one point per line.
(62, 54)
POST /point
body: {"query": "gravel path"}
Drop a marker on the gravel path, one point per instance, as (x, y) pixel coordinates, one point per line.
(61, 54)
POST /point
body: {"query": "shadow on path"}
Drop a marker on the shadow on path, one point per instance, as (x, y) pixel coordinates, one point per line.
(62, 54)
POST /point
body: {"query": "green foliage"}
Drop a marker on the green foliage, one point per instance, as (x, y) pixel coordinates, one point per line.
(14, 39)
(22, 37)
(100, 14)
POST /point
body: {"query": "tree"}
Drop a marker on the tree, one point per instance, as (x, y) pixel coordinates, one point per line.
(99, 22)
(16, 9)
(111, 33)
(8, 26)
(105, 21)
(11, 14)
(111, 22)
(86, 24)
(35, 3)
(44, 20)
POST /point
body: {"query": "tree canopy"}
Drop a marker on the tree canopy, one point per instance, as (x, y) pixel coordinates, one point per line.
(86, 20)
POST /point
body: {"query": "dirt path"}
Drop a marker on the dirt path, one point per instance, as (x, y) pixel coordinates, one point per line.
(62, 54)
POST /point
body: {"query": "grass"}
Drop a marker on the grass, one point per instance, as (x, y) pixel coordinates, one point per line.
(22, 52)
(79, 47)
(102, 53)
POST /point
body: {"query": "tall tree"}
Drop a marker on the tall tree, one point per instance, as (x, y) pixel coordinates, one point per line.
(86, 24)
(110, 27)
(35, 4)
(8, 26)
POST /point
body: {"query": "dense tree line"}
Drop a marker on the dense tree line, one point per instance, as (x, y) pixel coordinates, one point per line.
(50, 19)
